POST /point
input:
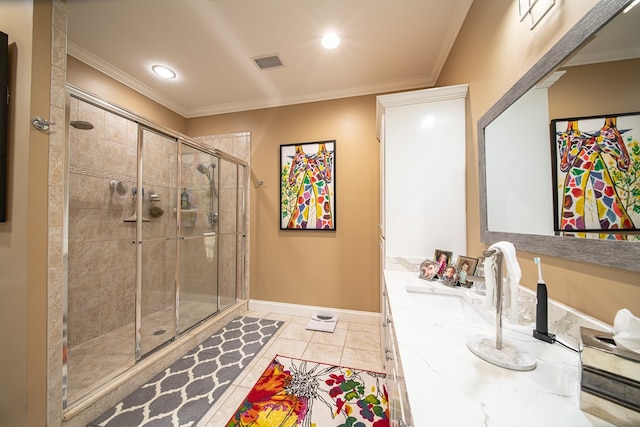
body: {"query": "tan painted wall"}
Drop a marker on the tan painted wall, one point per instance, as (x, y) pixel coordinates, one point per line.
(16, 20)
(491, 53)
(23, 237)
(37, 218)
(332, 269)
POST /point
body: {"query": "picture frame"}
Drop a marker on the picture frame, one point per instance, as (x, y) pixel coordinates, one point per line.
(596, 175)
(307, 186)
(466, 266)
(428, 270)
(450, 275)
(5, 76)
(442, 263)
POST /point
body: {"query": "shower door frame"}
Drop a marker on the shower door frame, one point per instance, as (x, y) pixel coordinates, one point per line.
(241, 214)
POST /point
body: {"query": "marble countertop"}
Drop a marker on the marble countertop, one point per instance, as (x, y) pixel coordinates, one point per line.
(448, 385)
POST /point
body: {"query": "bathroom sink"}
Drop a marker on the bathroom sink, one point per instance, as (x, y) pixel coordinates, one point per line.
(447, 305)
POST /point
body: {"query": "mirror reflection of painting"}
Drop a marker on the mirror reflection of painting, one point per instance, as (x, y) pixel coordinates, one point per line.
(307, 187)
(443, 258)
(597, 176)
(428, 270)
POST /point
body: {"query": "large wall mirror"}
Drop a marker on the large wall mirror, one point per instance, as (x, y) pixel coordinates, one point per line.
(593, 71)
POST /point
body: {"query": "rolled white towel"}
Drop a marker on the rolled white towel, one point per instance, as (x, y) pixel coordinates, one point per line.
(513, 276)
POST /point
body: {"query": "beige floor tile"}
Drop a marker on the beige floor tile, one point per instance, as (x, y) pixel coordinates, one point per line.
(342, 325)
(361, 359)
(278, 316)
(336, 337)
(299, 320)
(285, 347)
(364, 340)
(296, 331)
(329, 354)
(362, 327)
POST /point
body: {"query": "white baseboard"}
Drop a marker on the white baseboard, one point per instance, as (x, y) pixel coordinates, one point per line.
(366, 317)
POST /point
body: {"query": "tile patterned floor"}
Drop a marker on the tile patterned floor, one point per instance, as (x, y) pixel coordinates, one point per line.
(351, 344)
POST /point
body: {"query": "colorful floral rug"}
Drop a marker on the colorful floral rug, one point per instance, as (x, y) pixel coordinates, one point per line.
(294, 392)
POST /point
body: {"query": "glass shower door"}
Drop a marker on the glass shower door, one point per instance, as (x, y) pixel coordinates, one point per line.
(156, 202)
(199, 217)
(99, 339)
(230, 232)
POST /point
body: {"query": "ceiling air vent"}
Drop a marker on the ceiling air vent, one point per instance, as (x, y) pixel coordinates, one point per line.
(268, 61)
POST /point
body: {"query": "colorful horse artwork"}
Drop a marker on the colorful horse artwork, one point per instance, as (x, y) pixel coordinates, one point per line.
(588, 181)
(309, 181)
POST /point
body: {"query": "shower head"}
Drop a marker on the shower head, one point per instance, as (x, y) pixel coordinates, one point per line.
(81, 125)
(204, 169)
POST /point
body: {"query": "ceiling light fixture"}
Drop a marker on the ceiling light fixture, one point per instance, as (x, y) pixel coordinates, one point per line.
(164, 72)
(330, 41)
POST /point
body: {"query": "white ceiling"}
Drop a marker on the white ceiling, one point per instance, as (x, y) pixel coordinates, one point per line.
(386, 46)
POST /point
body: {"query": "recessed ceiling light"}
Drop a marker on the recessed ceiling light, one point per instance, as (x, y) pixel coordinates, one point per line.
(330, 41)
(164, 72)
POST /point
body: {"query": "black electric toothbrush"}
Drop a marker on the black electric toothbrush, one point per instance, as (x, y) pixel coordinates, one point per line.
(541, 332)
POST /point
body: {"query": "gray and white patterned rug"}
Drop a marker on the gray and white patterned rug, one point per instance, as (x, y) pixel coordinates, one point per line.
(182, 393)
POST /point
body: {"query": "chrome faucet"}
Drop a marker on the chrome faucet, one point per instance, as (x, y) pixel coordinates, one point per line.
(498, 293)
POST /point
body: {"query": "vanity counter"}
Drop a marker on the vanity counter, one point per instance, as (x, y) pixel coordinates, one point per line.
(448, 385)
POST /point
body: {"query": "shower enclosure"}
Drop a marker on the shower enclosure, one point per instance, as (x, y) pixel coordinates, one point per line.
(153, 240)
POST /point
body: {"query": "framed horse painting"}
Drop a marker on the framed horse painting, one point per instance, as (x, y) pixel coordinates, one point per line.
(596, 166)
(307, 186)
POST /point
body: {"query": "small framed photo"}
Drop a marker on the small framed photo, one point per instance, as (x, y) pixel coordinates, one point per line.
(443, 258)
(450, 275)
(466, 266)
(428, 270)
